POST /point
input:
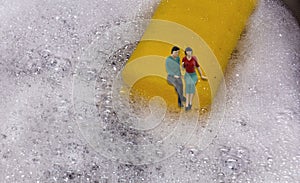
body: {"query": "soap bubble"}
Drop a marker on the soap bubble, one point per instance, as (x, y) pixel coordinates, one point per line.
(45, 44)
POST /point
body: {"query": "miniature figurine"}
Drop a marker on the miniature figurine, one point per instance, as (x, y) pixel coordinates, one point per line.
(174, 74)
(189, 62)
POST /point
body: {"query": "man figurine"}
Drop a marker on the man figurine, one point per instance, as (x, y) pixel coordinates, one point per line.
(174, 74)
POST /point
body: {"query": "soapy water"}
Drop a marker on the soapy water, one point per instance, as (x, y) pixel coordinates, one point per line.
(121, 132)
(43, 139)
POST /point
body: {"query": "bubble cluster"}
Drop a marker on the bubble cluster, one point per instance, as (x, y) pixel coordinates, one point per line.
(45, 44)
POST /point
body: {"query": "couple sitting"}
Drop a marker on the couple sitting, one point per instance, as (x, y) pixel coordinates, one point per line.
(189, 62)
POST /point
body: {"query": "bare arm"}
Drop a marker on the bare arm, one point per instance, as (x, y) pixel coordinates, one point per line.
(201, 74)
(199, 69)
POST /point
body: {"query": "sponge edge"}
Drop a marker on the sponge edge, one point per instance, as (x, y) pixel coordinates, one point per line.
(211, 28)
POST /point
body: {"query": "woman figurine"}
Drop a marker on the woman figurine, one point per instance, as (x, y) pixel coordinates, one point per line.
(189, 62)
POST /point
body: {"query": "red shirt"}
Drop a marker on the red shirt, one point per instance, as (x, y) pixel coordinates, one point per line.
(190, 65)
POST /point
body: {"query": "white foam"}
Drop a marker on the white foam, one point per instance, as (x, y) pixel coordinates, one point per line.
(44, 44)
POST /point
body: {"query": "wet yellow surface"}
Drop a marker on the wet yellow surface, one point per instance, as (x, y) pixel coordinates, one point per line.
(212, 28)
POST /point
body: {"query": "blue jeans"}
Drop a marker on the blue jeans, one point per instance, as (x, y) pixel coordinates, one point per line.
(177, 83)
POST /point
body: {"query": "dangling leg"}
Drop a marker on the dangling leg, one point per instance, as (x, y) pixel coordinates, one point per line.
(187, 99)
(189, 86)
(191, 100)
(179, 91)
(177, 83)
(193, 90)
(179, 99)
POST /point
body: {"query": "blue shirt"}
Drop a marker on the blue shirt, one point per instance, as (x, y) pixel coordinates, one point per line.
(173, 66)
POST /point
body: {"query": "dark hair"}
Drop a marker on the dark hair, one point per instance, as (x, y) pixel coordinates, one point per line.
(175, 48)
(188, 49)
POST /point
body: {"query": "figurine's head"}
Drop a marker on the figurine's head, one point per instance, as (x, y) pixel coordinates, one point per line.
(175, 51)
(188, 51)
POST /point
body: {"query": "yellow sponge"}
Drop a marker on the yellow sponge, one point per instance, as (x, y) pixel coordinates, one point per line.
(211, 27)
